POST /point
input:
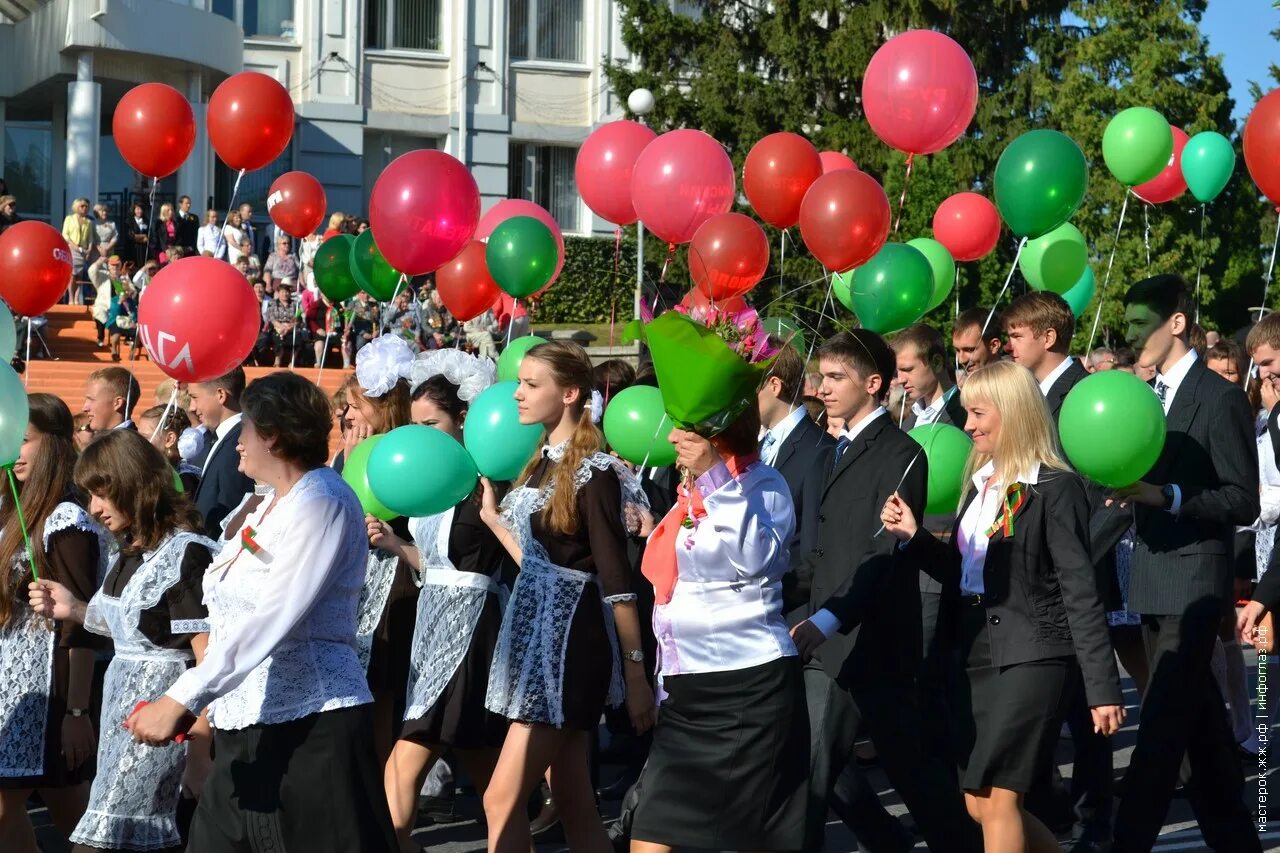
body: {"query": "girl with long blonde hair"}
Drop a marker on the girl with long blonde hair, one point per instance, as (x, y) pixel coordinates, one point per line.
(1027, 599)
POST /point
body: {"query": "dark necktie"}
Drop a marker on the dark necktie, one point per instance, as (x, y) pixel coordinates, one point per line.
(841, 446)
(1162, 390)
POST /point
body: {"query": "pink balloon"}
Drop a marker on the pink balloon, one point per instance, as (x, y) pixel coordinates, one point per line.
(604, 166)
(509, 207)
(920, 91)
(682, 179)
(834, 161)
(1169, 184)
(423, 211)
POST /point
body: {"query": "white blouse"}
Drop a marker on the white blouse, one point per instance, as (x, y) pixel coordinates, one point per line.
(971, 534)
(725, 611)
(283, 620)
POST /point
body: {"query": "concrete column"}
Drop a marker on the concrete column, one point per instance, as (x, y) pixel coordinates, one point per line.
(193, 176)
(84, 124)
(2, 105)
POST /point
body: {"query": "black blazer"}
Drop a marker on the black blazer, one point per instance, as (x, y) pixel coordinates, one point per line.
(188, 230)
(1210, 453)
(1062, 386)
(803, 460)
(222, 486)
(953, 412)
(860, 576)
(1041, 592)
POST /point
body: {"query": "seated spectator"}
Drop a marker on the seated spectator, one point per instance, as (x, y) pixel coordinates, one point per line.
(8, 212)
(362, 326)
(282, 316)
(402, 318)
(281, 267)
(247, 255)
(122, 320)
(479, 332)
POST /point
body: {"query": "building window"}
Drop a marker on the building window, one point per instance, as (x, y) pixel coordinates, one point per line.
(259, 18)
(546, 29)
(403, 24)
(28, 166)
(543, 174)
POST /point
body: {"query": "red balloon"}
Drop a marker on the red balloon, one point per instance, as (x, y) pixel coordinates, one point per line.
(834, 161)
(465, 286)
(250, 120)
(423, 211)
(1262, 145)
(777, 173)
(296, 203)
(697, 301)
(920, 91)
(844, 219)
(1169, 184)
(604, 166)
(154, 128)
(968, 224)
(509, 207)
(35, 267)
(198, 319)
(728, 256)
(682, 179)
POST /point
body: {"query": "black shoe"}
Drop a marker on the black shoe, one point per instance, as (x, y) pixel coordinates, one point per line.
(617, 789)
(1086, 845)
(438, 809)
(547, 820)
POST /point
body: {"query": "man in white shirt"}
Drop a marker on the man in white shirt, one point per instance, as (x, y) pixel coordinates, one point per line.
(210, 239)
(110, 396)
(1040, 325)
(217, 404)
(930, 395)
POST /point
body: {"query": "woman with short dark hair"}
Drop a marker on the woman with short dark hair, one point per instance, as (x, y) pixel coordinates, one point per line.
(284, 688)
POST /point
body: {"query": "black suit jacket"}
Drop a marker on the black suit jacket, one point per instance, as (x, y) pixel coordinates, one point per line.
(1062, 386)
(188, 230)
(1040, 594)
(222, 486)
(1211, 455)
(861, 577)
(803, 460)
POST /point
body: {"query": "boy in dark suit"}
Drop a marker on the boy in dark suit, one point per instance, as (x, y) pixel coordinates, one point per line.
(862, 631)
(1186, 508)
(217, 404)
(1040, 325)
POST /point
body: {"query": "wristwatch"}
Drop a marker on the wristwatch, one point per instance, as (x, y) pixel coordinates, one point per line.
(77, 712)
(635, 656)
(1166, 492)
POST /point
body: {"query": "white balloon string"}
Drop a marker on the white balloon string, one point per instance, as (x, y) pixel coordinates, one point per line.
(222, 240)
(151, 222)
(26, 371)
(1146, 234)
(386, 306)
(904, 478)
(1271, 265)
(1018, 254)
(164, 416)
(1102, 292)
(1199, 263)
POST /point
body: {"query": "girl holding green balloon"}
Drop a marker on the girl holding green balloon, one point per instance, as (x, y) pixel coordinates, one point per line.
(460, 566)
(557, 660)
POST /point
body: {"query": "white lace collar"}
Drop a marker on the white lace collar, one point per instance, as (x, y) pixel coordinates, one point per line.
(555, 452)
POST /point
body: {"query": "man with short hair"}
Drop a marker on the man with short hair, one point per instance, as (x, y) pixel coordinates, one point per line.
(222, 486)
(110, 396)
(976, 339)
(1039, 326)
(800, 451)
(1101, 359)
(1185, 510)
(251, 233)
(187, 228)
(922, 372)
(1263, 345)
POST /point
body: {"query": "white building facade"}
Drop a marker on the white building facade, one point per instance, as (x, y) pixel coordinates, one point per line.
(510, 87)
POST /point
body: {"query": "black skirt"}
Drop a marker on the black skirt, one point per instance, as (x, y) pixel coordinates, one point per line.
(730, 761)
(459, 718)
(310, 784)
(1009, 716)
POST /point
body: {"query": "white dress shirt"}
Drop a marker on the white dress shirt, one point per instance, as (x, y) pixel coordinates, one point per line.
(779, 433)
(282, 622)
(1047, 382)
(929, 414)
(1172, 381)
(971, 534)
(209, 240)
(824, 620)
(225, 427)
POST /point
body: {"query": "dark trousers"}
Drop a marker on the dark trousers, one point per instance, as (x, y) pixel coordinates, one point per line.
(1092, 783)
(1183, 713)
(892, 718)
(939, 678)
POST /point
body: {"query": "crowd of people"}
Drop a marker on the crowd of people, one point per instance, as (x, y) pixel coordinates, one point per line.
(736, 623)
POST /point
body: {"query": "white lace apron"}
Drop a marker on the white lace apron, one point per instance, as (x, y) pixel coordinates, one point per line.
(449, 608)
(26, 657)
(135, 794)
(379, 574)
(526, 680)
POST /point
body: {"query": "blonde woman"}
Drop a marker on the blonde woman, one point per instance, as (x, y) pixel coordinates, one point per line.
(1029, 609)
(335, 224)
(77, 229)
(165, 232)
(105, 232)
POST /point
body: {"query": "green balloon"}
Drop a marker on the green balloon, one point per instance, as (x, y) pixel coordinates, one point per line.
(1081, 293)
(177, 482)
(943, 266)
(371, 271)
(947, 450)
(891, 291)
(355, 470)
(1055, 261)
(1112, 428)
(509, 361)
(419, 471)
(1207, 163)
(333, 268)
(842, 287)
(1137, 145)
(785, 330)
(14, 413)
(521, 255)
(636, 426)
(500, 445)
(1040, 181)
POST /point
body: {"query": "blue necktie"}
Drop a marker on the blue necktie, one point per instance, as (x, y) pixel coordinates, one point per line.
(841, 446)
(769, 441)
